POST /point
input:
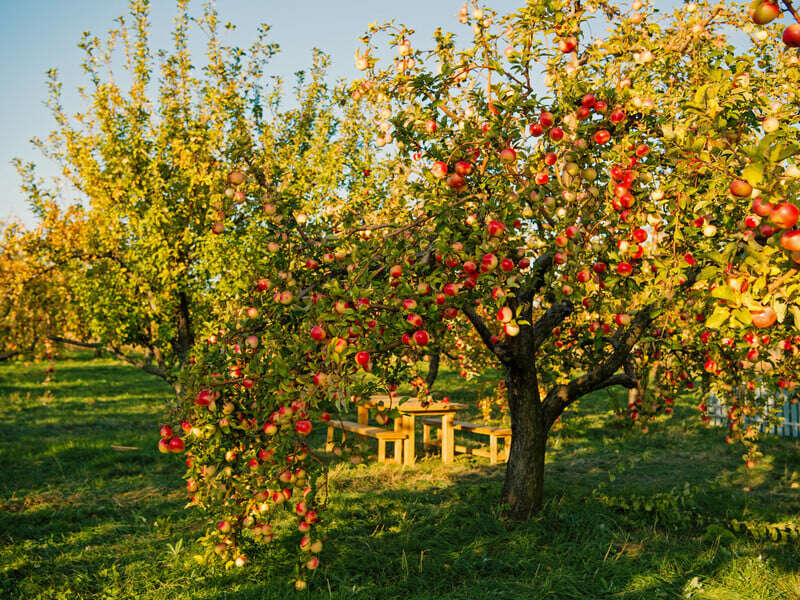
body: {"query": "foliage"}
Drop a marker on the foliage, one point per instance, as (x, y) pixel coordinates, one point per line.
(149, 270)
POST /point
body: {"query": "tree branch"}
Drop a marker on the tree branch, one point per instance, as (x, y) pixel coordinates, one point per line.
(604, 375)
(540, 267)
(484, 333)
(554, 315)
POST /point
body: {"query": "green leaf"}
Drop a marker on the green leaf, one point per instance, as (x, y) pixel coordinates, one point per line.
(753, 173)
(717, 318)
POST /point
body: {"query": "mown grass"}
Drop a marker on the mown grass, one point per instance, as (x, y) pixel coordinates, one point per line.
(80, 520)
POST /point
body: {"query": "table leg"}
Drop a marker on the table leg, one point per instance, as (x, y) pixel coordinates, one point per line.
(448, 439)
(398, 444)
(409, 444)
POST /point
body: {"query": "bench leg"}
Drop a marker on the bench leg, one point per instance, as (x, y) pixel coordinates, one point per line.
(329, 440)
(426, 435)
(381, 451)
(493, 449)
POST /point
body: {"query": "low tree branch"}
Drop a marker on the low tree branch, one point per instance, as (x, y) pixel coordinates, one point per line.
(605, 374)
(484, 333)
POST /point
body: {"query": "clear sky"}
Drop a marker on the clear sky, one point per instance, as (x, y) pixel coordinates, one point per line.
(36, 35)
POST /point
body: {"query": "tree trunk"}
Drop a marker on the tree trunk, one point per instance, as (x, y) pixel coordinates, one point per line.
(523, 487)
(433, 370)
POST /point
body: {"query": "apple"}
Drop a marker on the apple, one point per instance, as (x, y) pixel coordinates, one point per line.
(765, 12)
(439, 169)
(536, 129)
(421, 337)
(556, 134)
(362, 358)
(396, 271)
(430, 126)
(764, 317)
(624, 269)
(511, 329)
(456, 182)
(791, 35)
(303, 427)
(790, 240)
(762, 208)
(507, 265)
(784, 215)
(622, 319)
(203, 398)
(740, 188)
(639, 234)
(320, 379)
(163, 446)
(317, 333)
(583, 276)
(496, 228)
(166, 431)
(508, 155)
(617, 116)
(567, 44)
(463, 168)
(588, 100)
(547, 119)
(505, 314)
(599, 267)
(235, 177)
(414, 319)
(602, 137)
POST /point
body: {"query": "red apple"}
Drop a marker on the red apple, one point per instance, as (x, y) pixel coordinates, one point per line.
(791, 35)
(784, 215)
(456, 182)
(764, 317)
(163, 446)
(740, 188)
(439, 169)
(508, 155)
(602, 137)
(790, 240)
(463, 168)
(765, 12)
(496, 228)
(203, 398)
(362, 358)
(303, 427)
(421, 337)
(317, 333)
(176, 445)
(761, 207)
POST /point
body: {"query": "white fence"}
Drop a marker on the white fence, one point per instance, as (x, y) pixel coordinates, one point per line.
(785, 415)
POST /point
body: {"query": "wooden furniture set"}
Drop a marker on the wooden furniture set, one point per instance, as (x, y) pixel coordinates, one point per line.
(440, 415)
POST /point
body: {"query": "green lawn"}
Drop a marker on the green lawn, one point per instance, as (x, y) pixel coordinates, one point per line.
(80, 520)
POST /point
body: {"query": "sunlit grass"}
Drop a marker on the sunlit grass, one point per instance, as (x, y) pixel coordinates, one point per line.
(80, 520)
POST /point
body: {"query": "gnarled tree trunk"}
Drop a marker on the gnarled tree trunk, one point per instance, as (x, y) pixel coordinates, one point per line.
(523, 488)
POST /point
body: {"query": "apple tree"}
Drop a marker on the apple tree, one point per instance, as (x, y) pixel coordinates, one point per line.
(586, 204)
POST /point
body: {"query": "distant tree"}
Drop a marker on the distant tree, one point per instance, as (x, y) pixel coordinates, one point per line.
(150, 164)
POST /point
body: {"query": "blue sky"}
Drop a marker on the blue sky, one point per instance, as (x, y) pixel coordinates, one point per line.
(36, 35)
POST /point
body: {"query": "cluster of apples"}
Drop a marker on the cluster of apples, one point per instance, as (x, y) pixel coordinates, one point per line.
(781, 216)
(169, 442)
(763, 12)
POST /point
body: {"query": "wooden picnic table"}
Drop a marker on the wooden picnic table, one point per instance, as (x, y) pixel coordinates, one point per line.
(409, 410)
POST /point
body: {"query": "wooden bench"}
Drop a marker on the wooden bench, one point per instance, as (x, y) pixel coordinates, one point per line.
(382, 435)
(494, 433)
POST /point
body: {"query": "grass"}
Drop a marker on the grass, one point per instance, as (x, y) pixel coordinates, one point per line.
(80, 520)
